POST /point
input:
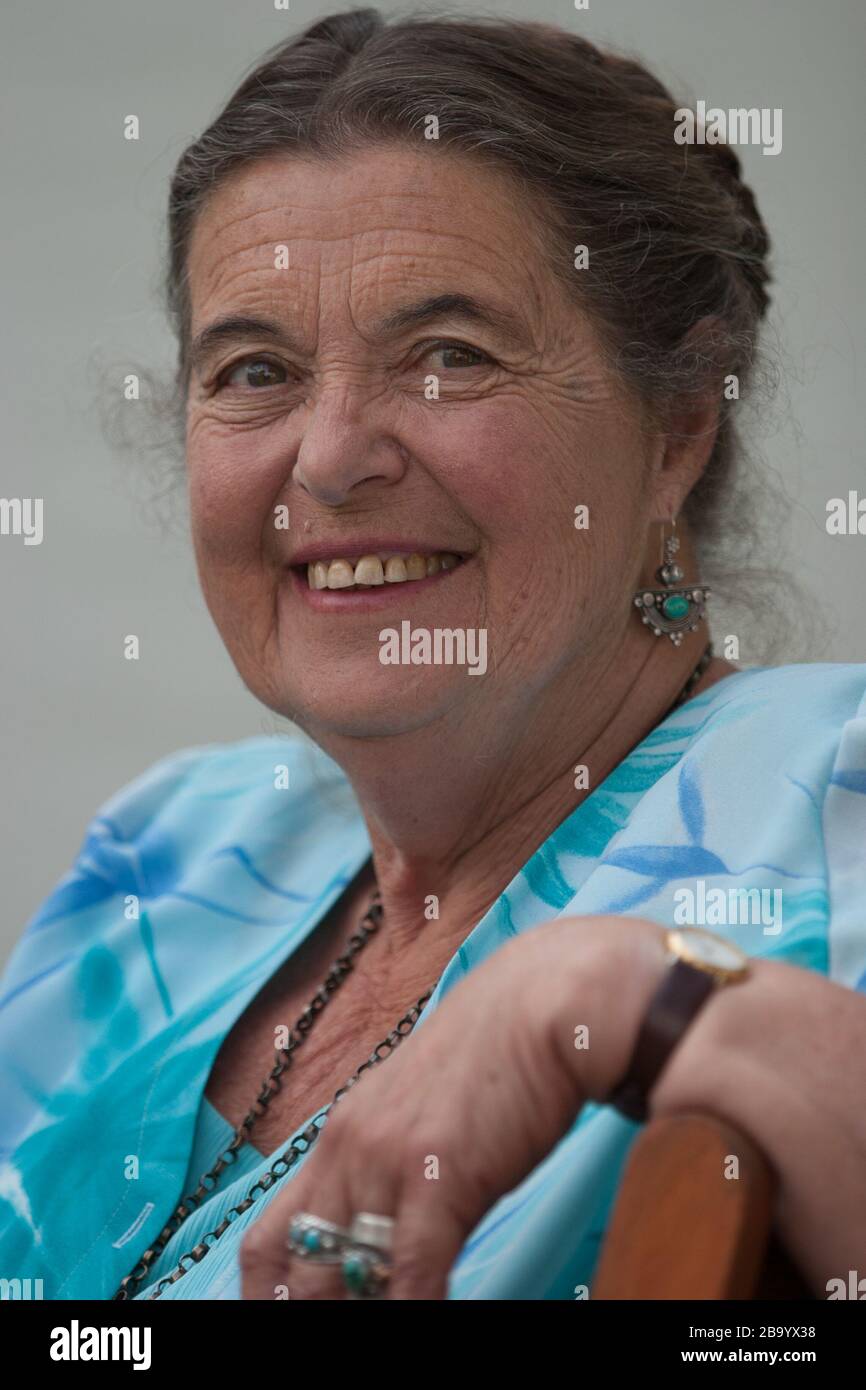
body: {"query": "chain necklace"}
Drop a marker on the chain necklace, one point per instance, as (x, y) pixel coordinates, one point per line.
(343, 966)
(693, 679)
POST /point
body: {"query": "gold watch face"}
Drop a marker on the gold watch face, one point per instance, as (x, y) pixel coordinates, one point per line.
(709, 952)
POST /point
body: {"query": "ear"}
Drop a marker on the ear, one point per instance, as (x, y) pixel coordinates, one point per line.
(688, 431)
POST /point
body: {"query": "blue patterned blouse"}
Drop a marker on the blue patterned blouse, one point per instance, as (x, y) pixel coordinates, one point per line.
(196, 881)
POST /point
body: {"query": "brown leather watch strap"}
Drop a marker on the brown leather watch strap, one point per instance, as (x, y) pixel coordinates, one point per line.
(672, 1008)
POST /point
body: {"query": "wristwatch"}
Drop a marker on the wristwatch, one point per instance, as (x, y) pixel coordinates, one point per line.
(700, 963)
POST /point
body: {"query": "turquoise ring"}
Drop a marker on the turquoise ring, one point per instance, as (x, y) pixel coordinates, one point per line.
(365, 1273)
(363, 1252)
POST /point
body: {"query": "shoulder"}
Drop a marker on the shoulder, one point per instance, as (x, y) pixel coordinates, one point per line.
(799, 713)
(761, 748)
(223, 780)
(268, 798)
(768, 747)
(828, 686)
(772, 769)
(190, 881)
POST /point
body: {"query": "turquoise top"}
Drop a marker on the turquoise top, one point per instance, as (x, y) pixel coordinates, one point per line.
(199, 879)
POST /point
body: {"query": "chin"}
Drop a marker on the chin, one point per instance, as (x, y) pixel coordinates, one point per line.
(398, 702)
(356, 725)
(358, 721)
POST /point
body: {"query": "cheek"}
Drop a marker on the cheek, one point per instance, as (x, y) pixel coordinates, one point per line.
(233, 490)
(520, 469)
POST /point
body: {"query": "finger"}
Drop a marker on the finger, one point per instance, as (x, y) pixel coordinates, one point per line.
(428, 1239)
(307, 1279)
(264, 1256)
(352, 1175)
(374, 1184)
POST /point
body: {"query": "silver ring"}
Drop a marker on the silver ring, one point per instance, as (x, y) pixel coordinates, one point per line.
(363, 1251)
(368, 1228)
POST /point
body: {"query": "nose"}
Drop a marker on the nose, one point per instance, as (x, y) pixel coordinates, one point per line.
(343, 446)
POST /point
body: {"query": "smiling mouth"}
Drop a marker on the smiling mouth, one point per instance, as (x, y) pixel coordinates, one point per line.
(376, 569)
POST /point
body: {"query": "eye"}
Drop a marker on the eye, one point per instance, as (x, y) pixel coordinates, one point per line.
(254, 372)
(471, 357)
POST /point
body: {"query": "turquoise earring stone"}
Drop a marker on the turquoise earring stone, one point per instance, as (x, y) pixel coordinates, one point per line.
(675, 607)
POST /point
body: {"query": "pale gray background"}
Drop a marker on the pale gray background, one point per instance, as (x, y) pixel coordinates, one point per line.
(83, 218)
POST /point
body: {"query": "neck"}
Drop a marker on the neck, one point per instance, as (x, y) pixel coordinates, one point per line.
(454, 813)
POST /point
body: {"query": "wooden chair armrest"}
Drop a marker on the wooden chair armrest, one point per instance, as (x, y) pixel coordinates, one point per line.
(682, 1229)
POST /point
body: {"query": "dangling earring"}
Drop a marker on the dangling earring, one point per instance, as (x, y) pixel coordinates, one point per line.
(673, 610)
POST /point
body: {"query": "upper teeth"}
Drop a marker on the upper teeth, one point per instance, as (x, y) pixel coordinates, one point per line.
(377, 569)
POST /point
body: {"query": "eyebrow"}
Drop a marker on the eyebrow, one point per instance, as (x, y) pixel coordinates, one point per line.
(458, 306)
(233, 328)
(236, 327)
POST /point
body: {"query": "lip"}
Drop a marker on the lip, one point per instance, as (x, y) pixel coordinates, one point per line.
(374, 598)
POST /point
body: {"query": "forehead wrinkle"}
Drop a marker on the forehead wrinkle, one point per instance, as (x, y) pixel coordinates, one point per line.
(293, 210)
(375, 299)
(354, 237)
(227, 224)
(224, 265)
(247, 293)
(419, 245)
(212, 264)
(482, 239)
(442, 265)
(231, 284)
(282, 168)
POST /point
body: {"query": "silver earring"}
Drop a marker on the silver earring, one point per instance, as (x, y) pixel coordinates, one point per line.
(677, 608)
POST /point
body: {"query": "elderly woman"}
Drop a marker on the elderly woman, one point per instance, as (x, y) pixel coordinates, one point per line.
(458, 319)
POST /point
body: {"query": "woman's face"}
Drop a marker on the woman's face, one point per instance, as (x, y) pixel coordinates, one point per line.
(347, 414)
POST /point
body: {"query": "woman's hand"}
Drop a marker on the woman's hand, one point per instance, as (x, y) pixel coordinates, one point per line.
(465, 1109)
(783, 1057)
